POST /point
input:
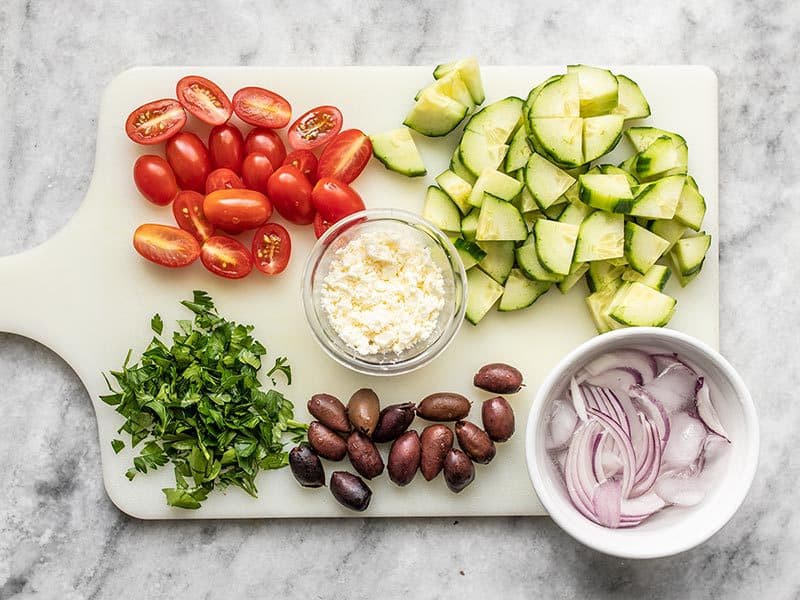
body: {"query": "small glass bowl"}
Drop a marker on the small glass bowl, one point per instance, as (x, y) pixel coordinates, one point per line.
(443, 253)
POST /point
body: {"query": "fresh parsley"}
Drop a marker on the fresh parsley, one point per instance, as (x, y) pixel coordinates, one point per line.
(199, 405)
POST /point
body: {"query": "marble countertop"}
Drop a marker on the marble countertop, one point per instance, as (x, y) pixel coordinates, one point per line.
(61, 537)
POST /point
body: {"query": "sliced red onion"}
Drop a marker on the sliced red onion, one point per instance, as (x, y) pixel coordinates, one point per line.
(623, 442)
(560, 425)
(636, 360)
(641, 507)
(607, 502)
(674, 387)
(686, 440)
(653, 409)
(606, 402)
(620, 378)
(681, 491)
(577, 400)
(577, 457)
(706, 411)
(665, 360)
(650, 468)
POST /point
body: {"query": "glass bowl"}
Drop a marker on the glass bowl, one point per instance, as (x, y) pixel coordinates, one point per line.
(443, 254)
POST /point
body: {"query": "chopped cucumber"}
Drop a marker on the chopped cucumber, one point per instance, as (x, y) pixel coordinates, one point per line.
(561, 138)
(498, 261)
(398, 152)
(495, 183)
(642, 247)
(602, 272)
(457, 167)
(554, 212)
(531, 217)
(576, 273)
(662, 158)
(658, 199)
(471, 74)
(497, 121)
(479, 154)
(612, 170)
(629, 166)
(452, 86)
(555, 245)
(597, 89)
(499, 220)
(520, 292)
(631, 103)
(435, 114)
(456, 188)
(482, 293)
(579, 170)
(670, 230)
(691, 208)
(469, 252)
(528, 261)
(519, 151)
(656, 277)
(642, 306)
(575, 212)
(690, 252)
(606, 192)
(558, 98)
(599, 303)
(469, 226)
(643, 137)
(440, 210)
(573, 193)
(526, 108)
(600, 135)
(525, 202)
(601, 237)
(545, 181)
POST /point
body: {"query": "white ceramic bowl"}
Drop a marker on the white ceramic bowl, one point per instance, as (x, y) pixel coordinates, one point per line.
(674, 529)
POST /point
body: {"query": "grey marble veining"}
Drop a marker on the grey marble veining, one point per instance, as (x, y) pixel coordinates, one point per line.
(60, 536)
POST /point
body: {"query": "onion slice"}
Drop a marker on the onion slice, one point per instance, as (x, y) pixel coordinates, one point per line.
(636, 360)
(577, 400)
(706, 412)
(653, 409)
(607, 503)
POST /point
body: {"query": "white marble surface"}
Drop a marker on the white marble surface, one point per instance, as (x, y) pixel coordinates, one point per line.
(60, 537)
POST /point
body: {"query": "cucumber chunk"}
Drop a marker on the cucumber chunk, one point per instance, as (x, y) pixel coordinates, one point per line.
(642, 247)
(670, 230)
(612, 170)
(519, 151)
(528, 262)
(691, 208)
(599, 304)
(559, 98)
(576, 273)
(631, 103)
(521, 292)
(441, 211)
(642, 306)
(482, 293)
(658, 199)
(545, 181)
(435, 114)
(398, 152)
(611, 193)
(495, 183)
(643, 137)
(526, 108)
(469, 226)
(629, 166)
(469, 71)
(689, 253)
(601, 273)
(497, 121)
(471, 248)
(451, 85)
(456, 188)
(574, 213)
(600, 135)
(457, 167)
(499, 220)
(597, 89)
(555, 245)
(560, 138)
(656, 277)
(479, 154)
(601, 237)
(525, 202)
(662, 158)
(554, 212)
(498, 261)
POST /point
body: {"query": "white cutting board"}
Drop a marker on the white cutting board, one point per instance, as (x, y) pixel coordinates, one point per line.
(88, 296)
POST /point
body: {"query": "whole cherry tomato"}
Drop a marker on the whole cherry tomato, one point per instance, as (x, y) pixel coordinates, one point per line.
(204, 99)
(262, 108)
(266, 142)
(155, 121)
(237, 210)
(165, 245)
(223, 179)
(320, 225)
(345, 156)
(226, 147)
(226, 257)
(187, 208)
(188, 157)
(290, 192)
(305, 161)
(315, 128)
(272, 248)
(256, 170)
(335, 200)
(154, 179)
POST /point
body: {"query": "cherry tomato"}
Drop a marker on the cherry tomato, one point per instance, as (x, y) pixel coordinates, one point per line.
(204, 99)
(290, 192)
(188, 157)
(226, 257)
(154, 179)
(268, 143)
(262, 108)
(335, 200)
(165, 245)
(305, 161)
(256, 170)
(315, 128)
(226, 147)
(187, 209)
(320, 225)
(272, 248)
(155, 121)
(236, 210)
(345, 156)
(223, 179)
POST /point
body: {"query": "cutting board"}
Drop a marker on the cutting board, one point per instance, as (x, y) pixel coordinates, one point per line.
(89, 297)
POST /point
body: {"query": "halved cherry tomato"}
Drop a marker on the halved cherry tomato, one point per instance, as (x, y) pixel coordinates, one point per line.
(204, 99)
(272, 248)
(165, 245)
(305, 161)
(321, 225)
(345, 156)
(226, 257)
(256, 170)
(226, 147)
(268, 143)
(154, 179)
(187, 208)
(290, 192)
(223, 179)
(236, 210)
(262, 108)
(188, 157)
(155, 121)
(335, 200)
(315, 128)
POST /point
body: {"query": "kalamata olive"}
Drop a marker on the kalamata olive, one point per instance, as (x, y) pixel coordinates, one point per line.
(350, 490)
(436, 441)
(325, 442)
(475, 442)
(363, 410)
(443, 406)
(364, 455)
(306, 466)
(459, 471)
(329, 411)
(404, 458)
(498, 378)
(393, 421)
(498, 418)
